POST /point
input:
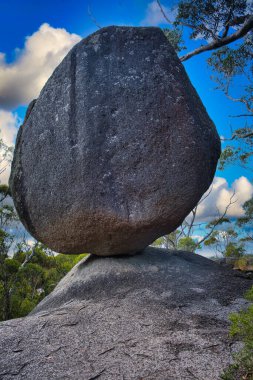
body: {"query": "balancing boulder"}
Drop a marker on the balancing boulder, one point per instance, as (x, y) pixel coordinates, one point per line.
(117, 149)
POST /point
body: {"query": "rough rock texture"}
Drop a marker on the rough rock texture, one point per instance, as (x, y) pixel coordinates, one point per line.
(157, 315)
(117, 149)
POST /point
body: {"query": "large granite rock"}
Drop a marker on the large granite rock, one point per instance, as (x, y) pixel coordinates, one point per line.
(117, 149)
(157, 315)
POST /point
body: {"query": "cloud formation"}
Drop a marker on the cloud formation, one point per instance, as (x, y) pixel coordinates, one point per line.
(8, 127)
(220, 196)
(8, 130)
(154, 15)
(22, 80)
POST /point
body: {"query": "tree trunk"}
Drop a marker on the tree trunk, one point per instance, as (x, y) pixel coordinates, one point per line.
(7, 303)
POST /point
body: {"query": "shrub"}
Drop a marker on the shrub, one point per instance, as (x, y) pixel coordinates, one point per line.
(242, 328)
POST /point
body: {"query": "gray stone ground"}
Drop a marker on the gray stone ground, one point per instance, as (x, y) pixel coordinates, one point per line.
(158, 315)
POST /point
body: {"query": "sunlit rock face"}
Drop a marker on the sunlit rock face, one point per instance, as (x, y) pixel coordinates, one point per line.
(157, 315)
(117, 149)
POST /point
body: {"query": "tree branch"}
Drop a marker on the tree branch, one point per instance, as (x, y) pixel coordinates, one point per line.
(217, 43)
(171, 241)
(93, 19)
(194, 212)
(241, 115)
(239, 20)
(26, 261)
(199, 28)
(227, 24)
(218, 220)
(183, 227)
(250, 134)
(240, 100)
(163, 13)
(29, 257)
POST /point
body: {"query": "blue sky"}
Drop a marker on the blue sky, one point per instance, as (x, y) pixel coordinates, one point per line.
(32, 31)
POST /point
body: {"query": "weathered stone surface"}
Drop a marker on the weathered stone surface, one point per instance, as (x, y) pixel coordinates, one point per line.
(158, 315)
(117, 149)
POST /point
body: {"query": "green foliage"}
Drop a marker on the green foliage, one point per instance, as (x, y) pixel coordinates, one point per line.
(6, 154)
(175, 241)
(6, 241)
(29, 275)
(228, 156)
(244, 263)
(225, 241)
(242, 329)
(248, 217)
(217, 222)
(228, 63)
(175, 37)
(246, 221)
(241, 263)
(249, 295)
(248, 208)
(169, 241)
(240, 154)
(22, 287)
(207, 18)
(234, 250)
(213, 238)
(187, 243)
(4, 192)
(214, 22)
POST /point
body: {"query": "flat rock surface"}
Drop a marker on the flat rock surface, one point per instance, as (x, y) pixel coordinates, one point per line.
(159, 315)
(117, 149)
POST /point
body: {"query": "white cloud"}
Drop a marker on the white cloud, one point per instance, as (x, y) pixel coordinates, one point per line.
(8, 127)
(22, 80)
(8, 130)
(220, 196)
(4, 176)
(197, 237)
(222, 139)
(154, 15)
